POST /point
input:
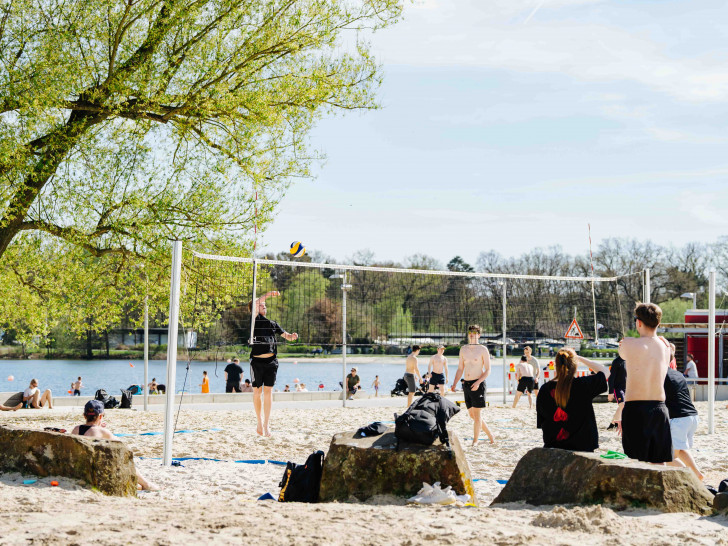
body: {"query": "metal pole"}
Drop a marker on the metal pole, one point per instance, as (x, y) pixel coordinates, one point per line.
(253, 307)
(172, 352)
(145, 389)
(344, 389)
(505, 342)
(711, 354)
(695, 300)
(647, 285)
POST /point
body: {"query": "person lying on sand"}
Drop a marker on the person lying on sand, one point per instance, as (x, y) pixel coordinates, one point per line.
(96, 428)
(11, 408)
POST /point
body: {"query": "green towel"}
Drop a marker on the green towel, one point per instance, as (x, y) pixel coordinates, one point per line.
(613, 455)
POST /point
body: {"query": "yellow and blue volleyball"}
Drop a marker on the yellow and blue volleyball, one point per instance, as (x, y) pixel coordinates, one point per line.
(297, 249)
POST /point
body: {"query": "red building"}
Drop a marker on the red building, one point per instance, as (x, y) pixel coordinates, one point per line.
(697, 343)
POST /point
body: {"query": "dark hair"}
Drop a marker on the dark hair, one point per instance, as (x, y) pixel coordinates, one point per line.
(416, 348)
(565, 366)
(247, 380)
(691, 356)
(649, 313)
(204, 372)
(474, 328)
(524, 359)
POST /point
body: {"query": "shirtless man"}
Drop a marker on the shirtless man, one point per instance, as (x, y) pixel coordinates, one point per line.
(524, 374)
(533, 361)
(438, 370)
(410, 372)
(644, 421)
(474, 367)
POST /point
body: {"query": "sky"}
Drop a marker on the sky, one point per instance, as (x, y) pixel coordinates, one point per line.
(513, 124)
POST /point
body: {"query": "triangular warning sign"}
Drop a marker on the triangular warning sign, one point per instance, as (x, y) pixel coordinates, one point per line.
(574, 332)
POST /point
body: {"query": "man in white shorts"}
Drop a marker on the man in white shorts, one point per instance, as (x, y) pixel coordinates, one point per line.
(683, 420)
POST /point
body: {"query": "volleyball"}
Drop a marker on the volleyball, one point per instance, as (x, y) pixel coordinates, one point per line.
(297, 249)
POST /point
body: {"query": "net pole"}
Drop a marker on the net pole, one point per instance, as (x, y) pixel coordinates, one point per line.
(145, 390)
(172, 352)
(647, 285)
(505, 342)
(344, 389)
(711, 353)
(254, 306)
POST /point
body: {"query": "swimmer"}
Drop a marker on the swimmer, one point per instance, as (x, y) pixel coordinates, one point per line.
(474, 368)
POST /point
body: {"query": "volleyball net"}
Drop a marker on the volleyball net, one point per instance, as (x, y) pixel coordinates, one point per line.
(389, 309)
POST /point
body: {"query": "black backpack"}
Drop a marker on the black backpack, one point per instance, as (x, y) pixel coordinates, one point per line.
(425, 420)
(302, 482)
(125, 399)
(109, 401)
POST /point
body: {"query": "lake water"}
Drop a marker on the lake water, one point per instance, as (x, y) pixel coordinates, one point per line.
(113, 375)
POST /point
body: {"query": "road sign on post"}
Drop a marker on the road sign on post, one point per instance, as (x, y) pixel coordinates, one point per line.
(574, 332)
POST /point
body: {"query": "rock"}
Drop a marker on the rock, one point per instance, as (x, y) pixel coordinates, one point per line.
(555, 476)
(103, 464)
(365, 467)
(720, 502)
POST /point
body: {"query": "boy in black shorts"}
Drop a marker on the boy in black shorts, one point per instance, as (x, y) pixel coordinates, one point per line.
(474, 367)
(524, 374)
(263, 359)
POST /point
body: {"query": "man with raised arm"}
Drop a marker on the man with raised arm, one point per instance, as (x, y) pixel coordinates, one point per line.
(263, 359)
(412, 375)
(474, 368)
(438, 370)
(645, 421)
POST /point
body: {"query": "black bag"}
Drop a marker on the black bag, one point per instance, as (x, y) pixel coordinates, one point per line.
(125, 399)
(102, 396)
(372, 429)
(425, 420)
(302, 482)
(723, 487)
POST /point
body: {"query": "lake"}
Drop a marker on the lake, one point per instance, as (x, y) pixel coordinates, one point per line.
(113, 375)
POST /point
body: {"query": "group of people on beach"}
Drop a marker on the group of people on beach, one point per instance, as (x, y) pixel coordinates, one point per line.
(655, 416)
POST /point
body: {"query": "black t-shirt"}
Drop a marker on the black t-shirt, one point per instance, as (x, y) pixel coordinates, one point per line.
(617, 375)
(264, 336)
(234, 373)
(574, 427)
(677, 395)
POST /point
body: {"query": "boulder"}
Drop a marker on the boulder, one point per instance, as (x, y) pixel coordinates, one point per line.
(556, 476)
(720, 502)
(365, 467)
(104, 464)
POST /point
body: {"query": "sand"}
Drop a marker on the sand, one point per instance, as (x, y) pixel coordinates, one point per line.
(206, 501)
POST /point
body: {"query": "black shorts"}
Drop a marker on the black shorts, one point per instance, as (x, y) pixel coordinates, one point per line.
(525, 384)
(230, 386)
(474, 399)
(535, 385)
(409, 378)
(646, 431)
(263, 371)
(437, 379)
(76, 392)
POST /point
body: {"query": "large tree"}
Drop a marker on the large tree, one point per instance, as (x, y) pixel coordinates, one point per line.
(126, 124)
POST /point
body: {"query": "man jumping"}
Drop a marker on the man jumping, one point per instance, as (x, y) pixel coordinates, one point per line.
(263, 359)
(474, 368)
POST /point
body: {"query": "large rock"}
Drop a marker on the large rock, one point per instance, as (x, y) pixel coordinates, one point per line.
(556, 476)
(365, 467)
(103, 464)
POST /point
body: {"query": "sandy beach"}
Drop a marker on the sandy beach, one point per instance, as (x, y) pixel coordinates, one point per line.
(206, 501)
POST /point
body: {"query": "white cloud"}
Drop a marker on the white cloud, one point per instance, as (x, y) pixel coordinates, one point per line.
(491, 35)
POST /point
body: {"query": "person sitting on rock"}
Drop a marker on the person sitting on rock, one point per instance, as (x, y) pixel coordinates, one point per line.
(564, 407)
(93, 411)
(32, 398)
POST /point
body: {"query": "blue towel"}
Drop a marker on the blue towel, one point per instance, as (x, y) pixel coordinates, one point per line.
(502, 482)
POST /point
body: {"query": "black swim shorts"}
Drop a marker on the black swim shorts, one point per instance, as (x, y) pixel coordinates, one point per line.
(409, 378)
(646, 431)
(525, 384)
(263, 371)
(437, 379)
(474, 398)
